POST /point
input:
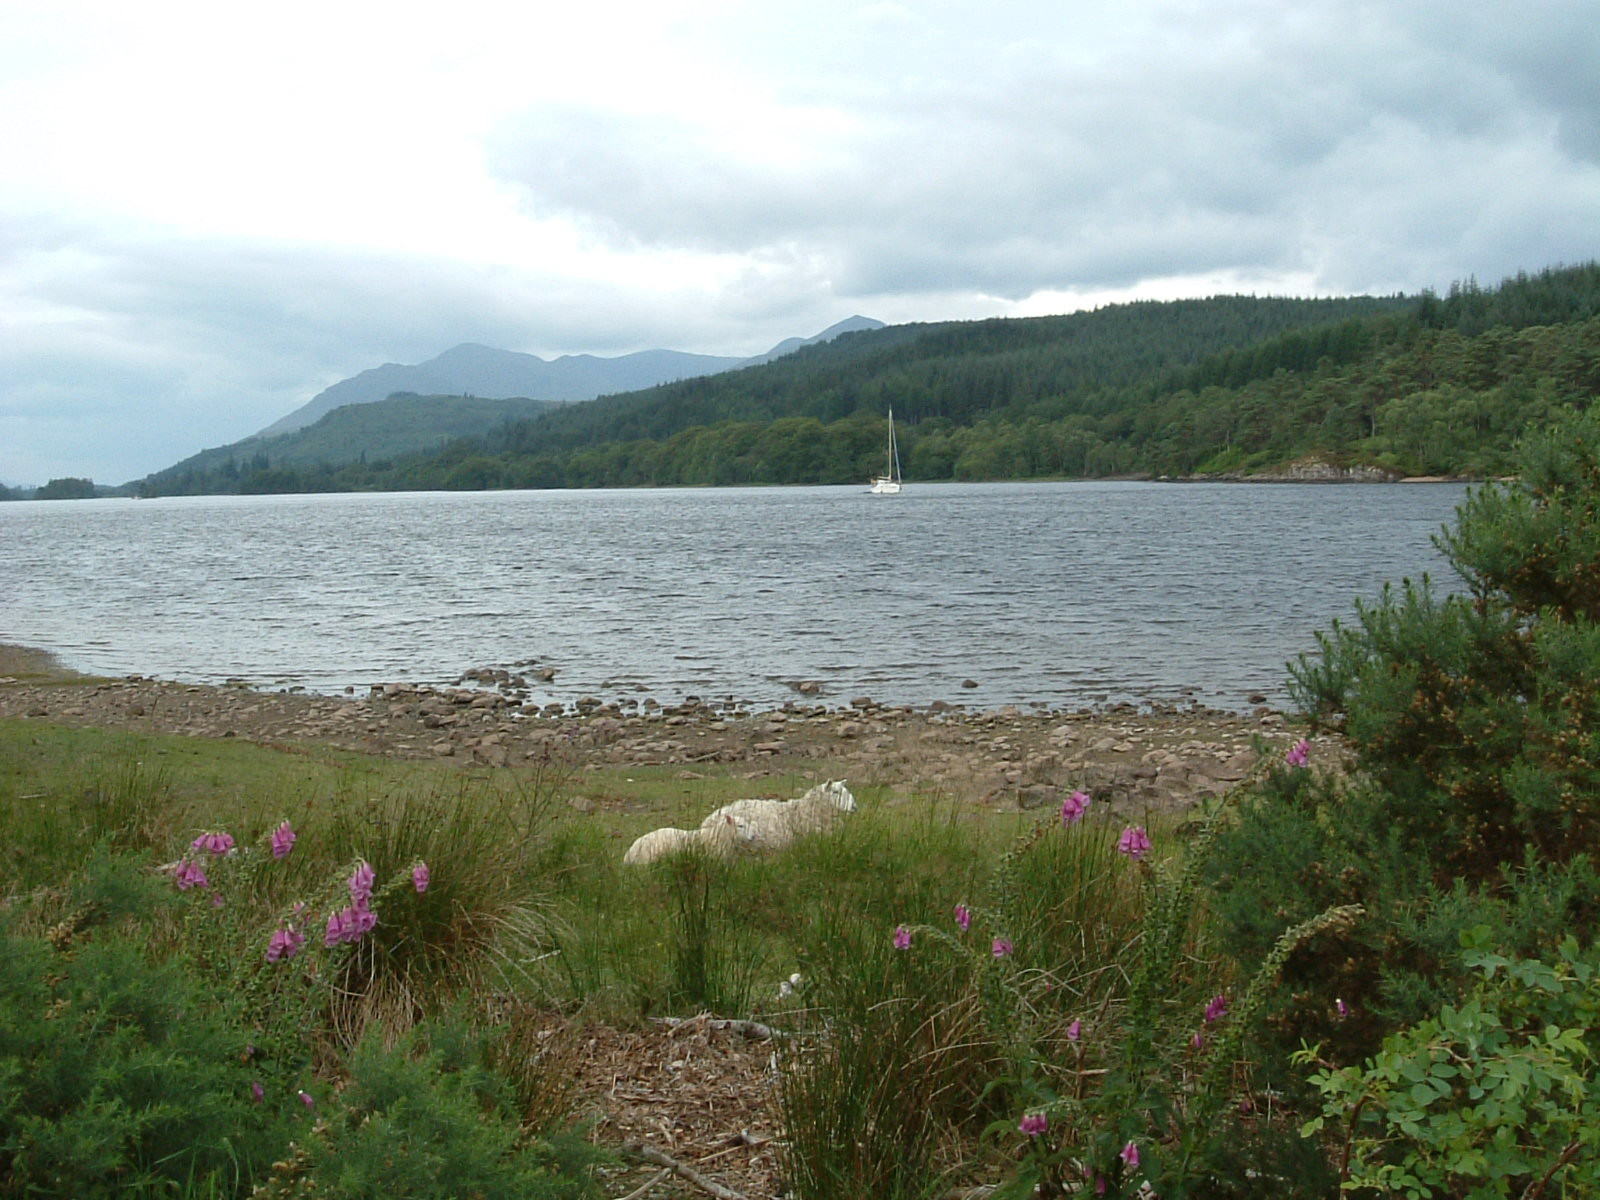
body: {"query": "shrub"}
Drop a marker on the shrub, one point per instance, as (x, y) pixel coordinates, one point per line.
(427, 1121)
(122, 1076)
(1478, 713)
(1495, 1096)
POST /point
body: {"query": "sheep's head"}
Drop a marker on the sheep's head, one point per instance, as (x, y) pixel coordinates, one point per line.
(730, 833)
(836, 794)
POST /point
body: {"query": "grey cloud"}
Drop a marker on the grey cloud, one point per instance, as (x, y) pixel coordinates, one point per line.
(1212, 148)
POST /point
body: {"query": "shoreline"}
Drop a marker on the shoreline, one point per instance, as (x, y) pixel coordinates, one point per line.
(1151, 755)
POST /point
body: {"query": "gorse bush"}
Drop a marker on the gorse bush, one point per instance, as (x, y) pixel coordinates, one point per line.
(425, 1120)
(121, 1076)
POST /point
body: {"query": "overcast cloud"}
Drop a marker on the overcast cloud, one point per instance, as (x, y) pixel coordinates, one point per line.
(208, 214)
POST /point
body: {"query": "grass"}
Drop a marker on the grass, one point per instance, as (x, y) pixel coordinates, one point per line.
(530, 911)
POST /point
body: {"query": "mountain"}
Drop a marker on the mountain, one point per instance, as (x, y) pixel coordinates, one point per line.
(483, 371)
(384, 429)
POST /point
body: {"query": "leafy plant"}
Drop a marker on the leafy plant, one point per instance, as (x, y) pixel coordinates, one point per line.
(1495, 1096)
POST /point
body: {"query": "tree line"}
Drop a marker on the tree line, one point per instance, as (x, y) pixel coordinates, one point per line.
(1425, 384)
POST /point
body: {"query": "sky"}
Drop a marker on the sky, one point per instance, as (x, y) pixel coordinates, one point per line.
(210, 212)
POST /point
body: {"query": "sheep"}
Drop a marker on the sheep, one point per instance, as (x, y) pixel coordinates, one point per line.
(774, 824)
(715, 836)
(748, 825)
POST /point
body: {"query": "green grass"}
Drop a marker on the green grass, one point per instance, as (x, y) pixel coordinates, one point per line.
(531, 910)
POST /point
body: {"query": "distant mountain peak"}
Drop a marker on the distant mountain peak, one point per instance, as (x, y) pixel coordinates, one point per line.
(473, 369)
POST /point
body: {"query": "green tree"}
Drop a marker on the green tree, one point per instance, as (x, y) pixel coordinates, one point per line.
(67, 488)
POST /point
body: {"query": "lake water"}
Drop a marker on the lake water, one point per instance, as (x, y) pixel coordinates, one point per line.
(1064, 594)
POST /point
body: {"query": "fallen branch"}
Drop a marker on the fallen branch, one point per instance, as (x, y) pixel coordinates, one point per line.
(651, 1155)
(754, 1030)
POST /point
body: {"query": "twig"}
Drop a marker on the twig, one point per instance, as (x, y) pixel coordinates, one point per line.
(743, 1140)
(1536, 1190)
(651, 1155)
(646, 1185)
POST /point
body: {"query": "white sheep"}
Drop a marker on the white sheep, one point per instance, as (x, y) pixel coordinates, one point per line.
(774, 824)
(722, 837)
(749, 825)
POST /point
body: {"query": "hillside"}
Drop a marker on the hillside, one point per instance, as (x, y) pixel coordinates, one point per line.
(1225, 387)
(386, 429)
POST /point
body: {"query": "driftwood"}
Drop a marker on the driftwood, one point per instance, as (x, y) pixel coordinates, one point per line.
(710, 1186)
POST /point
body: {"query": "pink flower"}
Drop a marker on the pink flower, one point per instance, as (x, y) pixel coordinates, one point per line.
(338, 928)
(361, 882)
(1217, 1009)
(1343, 1009)
(216, 843)
(284, 944)
(420, 877)
(1033, 1124)
(282, 840)
(1130, 1155)
(1002, 947)
(257, 1091)
(1073, 807)
(1299, 754)
(305, 1098)
(1198, 1041)
(902, 938)
(190, 874)
(1075, 1030)
(963, 917)
(1134, 842)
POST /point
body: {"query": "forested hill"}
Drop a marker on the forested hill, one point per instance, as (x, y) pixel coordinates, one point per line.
(1229, 385)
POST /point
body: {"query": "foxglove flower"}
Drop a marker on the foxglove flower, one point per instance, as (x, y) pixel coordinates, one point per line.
(1073, 807)
(1002, 946)
(305, 1098)
(1130, 1155)
(1033, 1124)
(963, 917)
(284, 944)
(420, 877)
(1299, 754)
(190, 874)
(1075, 1030)
(1217, 1009)
(902, 938)
(215, 842)
(1134, 842)
(361, 882)
(257, 1091)
(283, 840)
(1343, 1009)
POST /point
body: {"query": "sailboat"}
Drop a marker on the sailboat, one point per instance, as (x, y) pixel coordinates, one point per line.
(888, 484)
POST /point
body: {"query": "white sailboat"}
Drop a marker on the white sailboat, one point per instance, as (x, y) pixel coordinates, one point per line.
(888, 484)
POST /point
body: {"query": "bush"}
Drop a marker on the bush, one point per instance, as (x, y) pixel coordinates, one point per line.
(1497, 1096)
(425, 1120)
(1478, 713)
(122, 1077)
(1474, 721)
